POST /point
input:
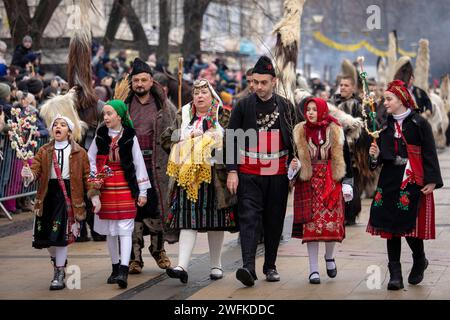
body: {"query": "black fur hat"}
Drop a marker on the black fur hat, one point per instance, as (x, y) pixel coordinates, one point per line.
(140, 66)
(264, 66)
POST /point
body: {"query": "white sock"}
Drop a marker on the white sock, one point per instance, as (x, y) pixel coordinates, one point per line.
(61, 256)
(185, 248)
(113, 248)
(52, 251)
(215, 241)
(329, 254)
(125, 249)
(313, 252)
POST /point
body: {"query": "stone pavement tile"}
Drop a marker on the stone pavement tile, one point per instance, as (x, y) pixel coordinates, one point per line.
(30, 271)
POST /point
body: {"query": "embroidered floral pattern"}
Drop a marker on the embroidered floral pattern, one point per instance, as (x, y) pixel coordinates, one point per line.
(56, 225)
(403, 203)
(39, 226)
(378, 199)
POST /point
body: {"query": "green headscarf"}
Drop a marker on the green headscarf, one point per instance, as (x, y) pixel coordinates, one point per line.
(122, 110)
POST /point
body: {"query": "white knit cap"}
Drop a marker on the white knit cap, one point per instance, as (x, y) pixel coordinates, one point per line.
(66, 119)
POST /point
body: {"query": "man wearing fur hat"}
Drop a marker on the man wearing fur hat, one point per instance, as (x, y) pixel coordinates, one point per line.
(405, 73)
(257, 170)
(348, 101)
(151, 114)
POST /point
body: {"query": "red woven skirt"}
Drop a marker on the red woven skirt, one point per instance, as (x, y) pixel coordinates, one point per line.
(116, 199)
(425, 224)
(325, 224)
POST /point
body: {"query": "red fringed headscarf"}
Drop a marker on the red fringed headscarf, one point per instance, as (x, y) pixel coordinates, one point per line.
(398, 88)
(312, 129)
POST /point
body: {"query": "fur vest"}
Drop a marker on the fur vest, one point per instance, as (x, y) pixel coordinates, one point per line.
(306, 150)
(125, 143)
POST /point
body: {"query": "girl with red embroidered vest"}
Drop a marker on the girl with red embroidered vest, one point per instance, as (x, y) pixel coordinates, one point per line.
(403, 205)
(116, 148)
(323, 182)
(62, 169)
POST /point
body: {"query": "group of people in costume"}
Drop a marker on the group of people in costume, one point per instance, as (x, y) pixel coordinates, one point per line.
(177, 174)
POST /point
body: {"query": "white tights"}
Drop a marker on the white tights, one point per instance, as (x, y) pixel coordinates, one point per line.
(125, 249)
(187, 243)
(313, 252)
(60, 254)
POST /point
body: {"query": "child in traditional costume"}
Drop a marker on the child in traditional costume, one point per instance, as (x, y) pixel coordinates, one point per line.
(324, 182)
(116, 149)
(403, 205)
(62, 168)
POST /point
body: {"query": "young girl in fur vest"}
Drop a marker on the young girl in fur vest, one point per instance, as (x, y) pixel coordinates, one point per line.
(323, 181)
(116, 146)
(62, 168)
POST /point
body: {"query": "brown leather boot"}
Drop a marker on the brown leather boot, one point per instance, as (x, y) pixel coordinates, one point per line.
(135, 267)
(161, 259)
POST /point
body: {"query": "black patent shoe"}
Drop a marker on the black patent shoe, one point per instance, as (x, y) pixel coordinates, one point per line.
(332, 273)
(314, 280)
(178, 274)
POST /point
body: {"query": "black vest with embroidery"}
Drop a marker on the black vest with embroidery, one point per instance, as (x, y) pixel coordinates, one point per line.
(125, 143)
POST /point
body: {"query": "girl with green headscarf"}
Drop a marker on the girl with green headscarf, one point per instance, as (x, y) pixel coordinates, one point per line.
(122, 110)
(118, 171)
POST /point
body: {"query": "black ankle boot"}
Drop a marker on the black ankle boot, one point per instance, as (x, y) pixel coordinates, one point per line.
(58, 279)
(122, 277)
(396, 280)
(115, 272)
(417, 270)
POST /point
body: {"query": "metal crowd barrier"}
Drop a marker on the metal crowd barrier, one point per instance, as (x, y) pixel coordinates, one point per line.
(10, 178)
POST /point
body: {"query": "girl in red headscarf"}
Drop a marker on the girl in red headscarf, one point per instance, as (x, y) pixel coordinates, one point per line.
(403, 205)
(323, 182)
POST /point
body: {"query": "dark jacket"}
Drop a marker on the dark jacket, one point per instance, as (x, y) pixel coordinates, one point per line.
(422, 100)
(165, 117)
(417, 131)
(20, 57)
(243, 116)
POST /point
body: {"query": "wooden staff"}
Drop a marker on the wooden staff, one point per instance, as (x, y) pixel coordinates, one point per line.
(180, 81)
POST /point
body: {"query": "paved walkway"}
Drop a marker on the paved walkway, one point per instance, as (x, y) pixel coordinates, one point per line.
(26, 272)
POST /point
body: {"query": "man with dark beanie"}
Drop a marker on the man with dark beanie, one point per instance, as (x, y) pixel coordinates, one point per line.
(151, 114)
(36, 88)
(257, 168)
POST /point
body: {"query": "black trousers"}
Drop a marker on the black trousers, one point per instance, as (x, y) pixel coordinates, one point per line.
(261, 199)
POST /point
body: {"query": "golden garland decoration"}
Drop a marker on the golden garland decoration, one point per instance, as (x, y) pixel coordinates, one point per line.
(319, 36)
